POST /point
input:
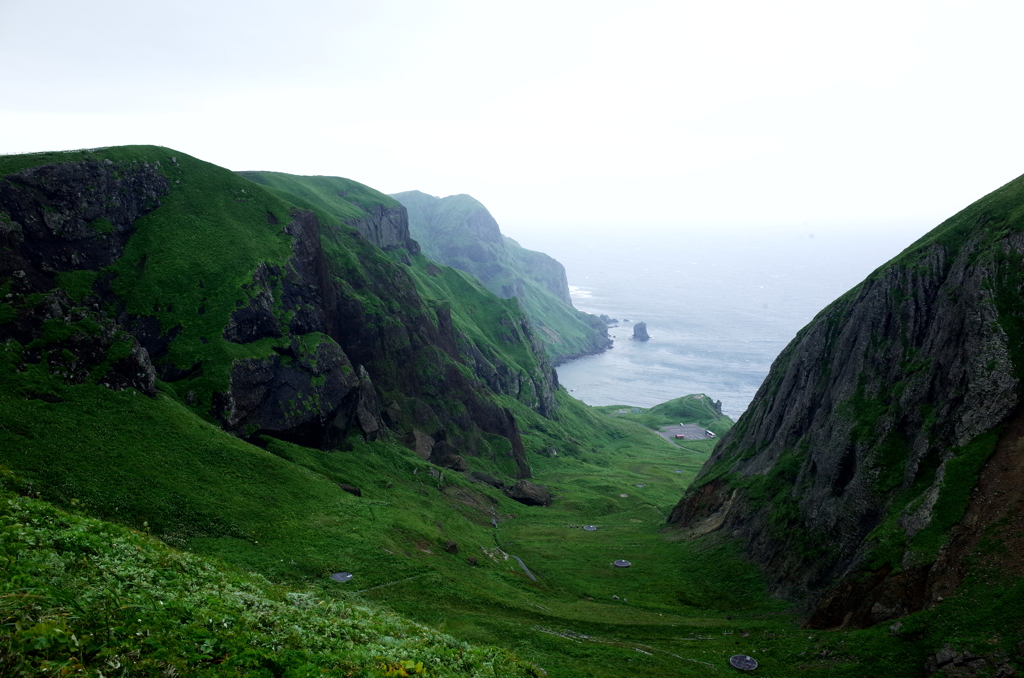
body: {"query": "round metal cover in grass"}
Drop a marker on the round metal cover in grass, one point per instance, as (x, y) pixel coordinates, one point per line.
(623, 495)
(639, 484)
(742, 662)
(622, 563)
(341, 576)
(590, 528)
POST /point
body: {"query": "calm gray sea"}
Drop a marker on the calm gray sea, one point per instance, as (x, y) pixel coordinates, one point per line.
(719, 305)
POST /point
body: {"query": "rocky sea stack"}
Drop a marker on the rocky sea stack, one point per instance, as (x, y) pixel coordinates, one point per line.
(640, 332)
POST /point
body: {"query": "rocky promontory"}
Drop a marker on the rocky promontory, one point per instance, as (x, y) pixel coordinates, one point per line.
(460, 232)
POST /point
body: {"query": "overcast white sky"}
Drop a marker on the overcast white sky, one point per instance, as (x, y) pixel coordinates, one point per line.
(801, 113)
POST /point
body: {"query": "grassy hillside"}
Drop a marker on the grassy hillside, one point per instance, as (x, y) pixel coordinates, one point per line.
(80, 596)
(152, 464)
(343, 198)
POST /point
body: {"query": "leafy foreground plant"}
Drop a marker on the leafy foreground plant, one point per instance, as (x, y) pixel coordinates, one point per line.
(79, 596)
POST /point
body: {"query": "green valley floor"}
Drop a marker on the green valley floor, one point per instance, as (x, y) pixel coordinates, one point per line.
(438, 549)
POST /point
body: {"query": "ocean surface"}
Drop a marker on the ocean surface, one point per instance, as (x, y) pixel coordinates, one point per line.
(719, 306)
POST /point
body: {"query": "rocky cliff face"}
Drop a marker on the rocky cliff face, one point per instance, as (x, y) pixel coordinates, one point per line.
(72, 216)
(387, 227)
(459, 232)
(854, 475)
(58, 219)
(543, 269)
(126, 266)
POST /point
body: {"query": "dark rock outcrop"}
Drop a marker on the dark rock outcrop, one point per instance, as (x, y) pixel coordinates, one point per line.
(351, 489)
(870, 418)
(71, 216)
(445, 454)
(367, 408)
(949, 662)
(391, 351)
(294, 395)
(420, 443)
(537, 389)
(486, 479)
(79, 344)
(319, 303)
(640, 332)
(531, 494)
(257, 320)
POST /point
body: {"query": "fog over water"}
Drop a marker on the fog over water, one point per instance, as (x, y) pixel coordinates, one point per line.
(719, 307)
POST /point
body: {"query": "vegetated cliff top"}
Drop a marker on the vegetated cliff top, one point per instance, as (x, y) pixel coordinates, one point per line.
(873, 471)
(696, 408)
(378, 217)
(459, 231)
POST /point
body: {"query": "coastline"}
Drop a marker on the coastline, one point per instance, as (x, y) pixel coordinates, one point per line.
(584, 354)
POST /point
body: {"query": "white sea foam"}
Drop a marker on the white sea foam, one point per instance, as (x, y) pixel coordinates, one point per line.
(579, 292)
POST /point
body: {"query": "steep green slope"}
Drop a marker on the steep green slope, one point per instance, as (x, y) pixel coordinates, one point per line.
(879, 466)
(458, 231)
(492, 338)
